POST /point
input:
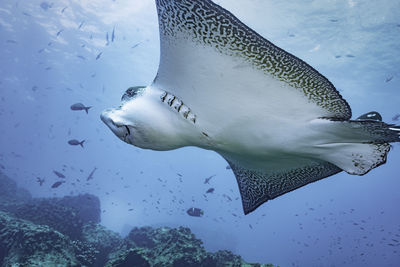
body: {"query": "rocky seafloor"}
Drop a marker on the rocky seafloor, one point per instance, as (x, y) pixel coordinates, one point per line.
(67, 232)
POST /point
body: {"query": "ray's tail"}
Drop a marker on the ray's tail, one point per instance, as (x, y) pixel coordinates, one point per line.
(361, 145)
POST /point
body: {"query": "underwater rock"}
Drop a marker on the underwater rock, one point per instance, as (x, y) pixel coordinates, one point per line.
(172, 247)
(103, 240)
(65, 232)
(49, 212)
(131, 257)
(23, 243)
(87, 206)
(66, 215)
(9, 190)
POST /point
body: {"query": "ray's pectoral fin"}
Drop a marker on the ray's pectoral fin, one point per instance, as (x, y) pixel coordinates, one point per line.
(258, 187)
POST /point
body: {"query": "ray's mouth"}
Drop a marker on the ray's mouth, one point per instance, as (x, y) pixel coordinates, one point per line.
(127, 129)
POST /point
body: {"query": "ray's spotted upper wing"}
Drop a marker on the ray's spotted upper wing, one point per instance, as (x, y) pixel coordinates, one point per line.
(189, 27)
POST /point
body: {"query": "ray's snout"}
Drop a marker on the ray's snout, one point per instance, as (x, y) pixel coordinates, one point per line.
(122, 131)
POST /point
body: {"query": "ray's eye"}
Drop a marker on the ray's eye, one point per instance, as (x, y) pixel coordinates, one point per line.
(132, 92)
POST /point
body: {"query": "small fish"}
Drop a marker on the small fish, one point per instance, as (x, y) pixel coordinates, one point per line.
(228, 197)
(396, 117)
(90, 177)
(45, 6)
(80, 25)
(80, 106)
(26, 14)
(81, 57)
(40, 181)
(350, 55)
(59, 174)
(388, 79)
(333, 20)
(11, 41)
(59, 32)
(107, 39)
(195, 212)
(210, 190)
(207, 180)
(228, 167)
(75, 142)
(99, 55)
(62, 10)
(57, 184)
(113, 35)
(135, 45)
(41, 50)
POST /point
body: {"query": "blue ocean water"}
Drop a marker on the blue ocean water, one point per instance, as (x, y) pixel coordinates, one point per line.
(55, 54)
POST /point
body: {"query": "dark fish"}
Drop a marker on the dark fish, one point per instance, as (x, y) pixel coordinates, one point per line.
(80, 25)
(388, 79)
(45, 5)
(113, 35)
(195, 212)
(41, 50)
(59, 32)
(333, 20)
(81, 57)
(396, 117)
(11, 41)
(107, 39)
(228, 167)
(62, 10)
(57, 184)
(80, 106)
(210, 190)
(90, 177)
(75, 142)
(350, 55)
(135, 45)
(40, 180)
(26, 14)
(99, 55)
(59, 174)
(207, 180)
(228, 197)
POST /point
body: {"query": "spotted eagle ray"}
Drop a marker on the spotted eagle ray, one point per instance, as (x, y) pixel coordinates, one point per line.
(221, 86)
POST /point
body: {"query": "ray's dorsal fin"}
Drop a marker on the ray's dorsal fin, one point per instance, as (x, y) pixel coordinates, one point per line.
(191, 26)
(258, 187)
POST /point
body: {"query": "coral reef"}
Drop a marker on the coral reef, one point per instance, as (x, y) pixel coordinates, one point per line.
(66, 232)
(175, 247)
(23, 243)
